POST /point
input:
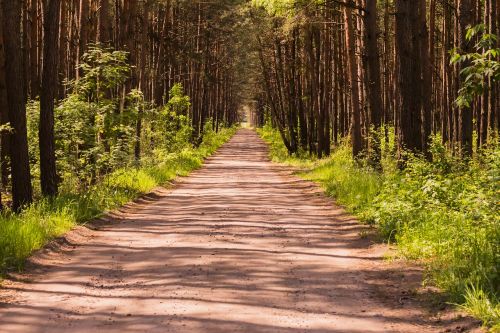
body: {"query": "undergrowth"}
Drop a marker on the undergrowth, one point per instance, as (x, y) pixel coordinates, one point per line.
(22, 234)
(443, 213)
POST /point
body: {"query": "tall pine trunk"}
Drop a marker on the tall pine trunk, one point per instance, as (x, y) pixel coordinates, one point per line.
(22, 192)
(465, 19)
(408, 46)
(426, 79)
(357, 141)
(4, 147)
(48, 175)
(374, 84)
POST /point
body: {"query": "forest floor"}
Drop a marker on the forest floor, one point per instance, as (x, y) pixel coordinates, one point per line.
(242, 245)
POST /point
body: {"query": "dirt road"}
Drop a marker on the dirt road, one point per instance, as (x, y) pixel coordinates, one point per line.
(239, 246)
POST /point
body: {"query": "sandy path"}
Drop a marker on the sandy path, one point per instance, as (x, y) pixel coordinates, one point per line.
(236, 247)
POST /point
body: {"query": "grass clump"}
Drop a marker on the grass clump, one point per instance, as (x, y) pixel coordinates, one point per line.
(21, 234)
(479, 304)
(443, 213)
(353, 186)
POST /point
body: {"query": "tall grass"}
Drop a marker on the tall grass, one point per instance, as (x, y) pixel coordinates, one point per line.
(443, 213)
(21, 234)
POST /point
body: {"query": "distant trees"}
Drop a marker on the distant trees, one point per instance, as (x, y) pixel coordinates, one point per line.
(380, 64)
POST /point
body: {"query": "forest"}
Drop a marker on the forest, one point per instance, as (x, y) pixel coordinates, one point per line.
(404, 96)
(391, 106)
(102, 101)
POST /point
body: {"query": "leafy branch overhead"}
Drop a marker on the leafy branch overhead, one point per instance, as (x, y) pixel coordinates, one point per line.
(481, 68)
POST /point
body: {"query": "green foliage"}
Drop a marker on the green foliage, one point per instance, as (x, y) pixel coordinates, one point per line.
(443, 213)
(275, 6)
(94, 132)
(95, 125)
(478, 304)
(353, 186)
(21, 234)
(178, 102)
(103, 69)
(96, 136)
(175, 123)
(285, 7)
(480, 66)
(279, 153)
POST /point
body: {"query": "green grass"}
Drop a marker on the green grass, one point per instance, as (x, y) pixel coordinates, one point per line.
(479, 304)
(443, 214)
(22, 234)
(351, 185)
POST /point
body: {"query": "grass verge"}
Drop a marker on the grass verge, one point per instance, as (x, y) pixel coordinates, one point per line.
(442, 213)
(22, 234)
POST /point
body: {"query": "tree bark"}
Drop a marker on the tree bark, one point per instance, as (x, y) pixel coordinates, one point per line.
(465, 17)
(105, 30)
(357, 143)
(48, 173)
(426, 78)
(409, 73)
(4, 144)
(374, 84)
(22, 192)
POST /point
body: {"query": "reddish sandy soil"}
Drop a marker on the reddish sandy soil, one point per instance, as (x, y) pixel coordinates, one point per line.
(239, 246)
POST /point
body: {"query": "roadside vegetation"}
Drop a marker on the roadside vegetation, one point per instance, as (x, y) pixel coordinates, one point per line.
(21, 234)
(442, 213)
(103, 161)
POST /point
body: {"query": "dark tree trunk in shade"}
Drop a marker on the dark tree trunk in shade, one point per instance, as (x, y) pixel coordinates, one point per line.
(48, 175)
(22, 192)
(357, 142)
(375, 87)
(105, 30)
(465, 19)
(4, 146)
(409, 73)
(426, 79)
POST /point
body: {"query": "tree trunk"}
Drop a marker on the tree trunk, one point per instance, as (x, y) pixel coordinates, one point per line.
(409, 73)
(22, 193)
(48, 174)
(81, 45)
(465, 17)
(374, 85)
(426, 79)
(357, 143)
(4, 145)
(104, 31)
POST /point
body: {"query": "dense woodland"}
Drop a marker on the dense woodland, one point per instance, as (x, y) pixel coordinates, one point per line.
(404, 96)
(339, 68)
(321, 71)
(101, 74)
(392, 105)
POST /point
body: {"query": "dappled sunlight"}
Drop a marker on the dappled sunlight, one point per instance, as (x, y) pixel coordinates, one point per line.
(248, 249)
